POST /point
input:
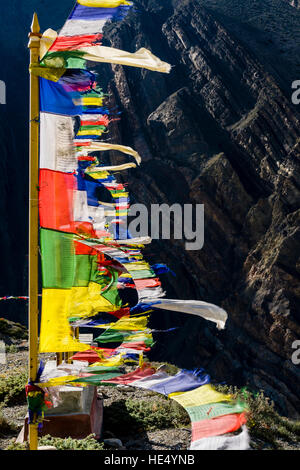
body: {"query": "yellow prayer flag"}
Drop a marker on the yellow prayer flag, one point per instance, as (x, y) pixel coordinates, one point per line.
(137, 266)
(103, 3)
(56, 334)
(127, 324)
(110, 361)
(200, 396)
(87, 301)
(47, 72)
(92, 101)
(103, 146)
(48, 38)
(91, 132)
(58, 381)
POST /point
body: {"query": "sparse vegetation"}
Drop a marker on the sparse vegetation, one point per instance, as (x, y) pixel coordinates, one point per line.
(89, 443)
(12, 349)
(6, 427)
(13, 330)
(141, 415)
(136, 412)
(13, 445)
(266, 426)
(12, 388)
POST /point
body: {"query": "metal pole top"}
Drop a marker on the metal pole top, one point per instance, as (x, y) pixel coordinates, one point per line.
(34, 35)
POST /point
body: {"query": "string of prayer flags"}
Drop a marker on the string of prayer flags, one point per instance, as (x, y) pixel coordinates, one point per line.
(95, 379)
(127, 379)
(92, 268)
(183, 381)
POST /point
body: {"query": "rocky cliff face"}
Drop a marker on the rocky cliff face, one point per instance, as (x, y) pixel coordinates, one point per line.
(218, 131)
(294, 3)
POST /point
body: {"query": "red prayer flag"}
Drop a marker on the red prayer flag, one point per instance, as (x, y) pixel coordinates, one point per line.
(217, 426)
(56, 200)
(70, 43)
(132, 376)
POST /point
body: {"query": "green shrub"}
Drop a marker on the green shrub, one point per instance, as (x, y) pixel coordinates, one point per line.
(6, 427)
(12, 348)
(12, 329)
(264, 422)
(131, 415)
(13, 445)
(12, 388)
(89, 443)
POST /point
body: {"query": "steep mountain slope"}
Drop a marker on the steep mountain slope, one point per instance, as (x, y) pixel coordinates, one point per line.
(219, 131)
(293, 3)
(270, 28)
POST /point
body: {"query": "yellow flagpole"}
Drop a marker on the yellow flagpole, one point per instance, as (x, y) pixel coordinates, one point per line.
(34, 47)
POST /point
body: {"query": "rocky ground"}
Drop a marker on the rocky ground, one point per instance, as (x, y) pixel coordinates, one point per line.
(14, 413)
(166, 439)
(142, 420)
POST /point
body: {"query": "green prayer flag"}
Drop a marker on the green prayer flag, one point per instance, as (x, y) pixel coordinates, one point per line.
(101, 369)
(213, 410)
(58, 259)
(96, 379)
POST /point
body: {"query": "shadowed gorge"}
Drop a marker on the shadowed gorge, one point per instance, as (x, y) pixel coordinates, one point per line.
(219, 131)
